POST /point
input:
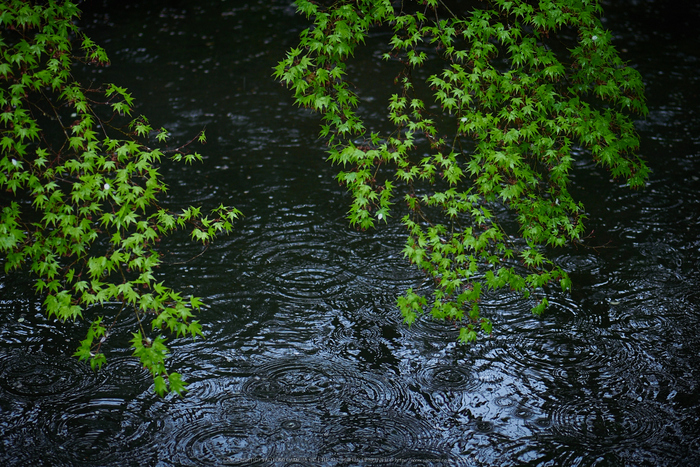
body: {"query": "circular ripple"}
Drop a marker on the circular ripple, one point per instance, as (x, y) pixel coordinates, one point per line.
(380, 263)
(290, 424)
(579, 263)
(523, 412)
(320, 383)
(551, 355)
(452, 377)
(371, 391)
(433, 330)
(295, 258)
(42, 375)
(300, 269)
(483, 426)
(126, 373)
(598, 425)
(102, 431)
(238, 408)
(227, 444)
(447, 378)
(373, 435)
(296, 383)
(445, 388)
(233, 431)
(505, 401)
(305, 281)
(541, 423)
(619, 365)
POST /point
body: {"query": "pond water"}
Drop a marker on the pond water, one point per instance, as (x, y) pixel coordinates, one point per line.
(306, 360)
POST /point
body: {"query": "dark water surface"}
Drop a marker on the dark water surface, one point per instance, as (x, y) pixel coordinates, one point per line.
(306, 361)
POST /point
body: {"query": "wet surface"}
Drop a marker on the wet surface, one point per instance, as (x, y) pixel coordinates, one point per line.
(306, 360)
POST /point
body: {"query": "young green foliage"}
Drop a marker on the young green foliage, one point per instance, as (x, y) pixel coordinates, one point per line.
(80, 208)
(522, 85)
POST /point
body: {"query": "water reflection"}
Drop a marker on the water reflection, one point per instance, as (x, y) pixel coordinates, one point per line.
(306, 361)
